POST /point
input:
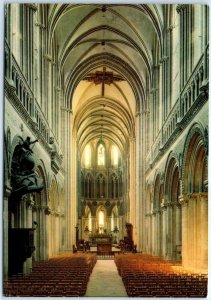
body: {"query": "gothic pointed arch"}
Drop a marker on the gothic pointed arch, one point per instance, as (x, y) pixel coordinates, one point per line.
(194, 161)
(172, 176)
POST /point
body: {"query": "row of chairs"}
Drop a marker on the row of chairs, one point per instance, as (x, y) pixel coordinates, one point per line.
(148, 276)
(65, 275)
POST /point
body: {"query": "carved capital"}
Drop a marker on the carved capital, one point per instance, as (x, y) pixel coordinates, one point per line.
(67, 109)
(7, 191)
(163, 59)
(156, 67)
(180, 8)
(170, 28)
(203, 196)
(29, 202)
(178, 204)
(153, 90)
(40, 25)
(51, 140)
(193, 196)
(48, 57)
(206, 185)
(163, 204)
(32, 6)
(148, 214)
(58, 89)
(47, 210)
(145, 112)
(183, 199)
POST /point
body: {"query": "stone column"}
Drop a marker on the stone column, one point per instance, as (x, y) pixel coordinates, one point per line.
(79, 227)
(138, 216)
(191, 258)
(180, 10)
(143, 120)
(67, 148)
(7, 193)
(193, 201)
(29, 203)
(108, 224)
(153, 234)
(73, 185)
(150, 233)
(16, 36)
(183, 199)
(178, 236)
(94, 225)
(46, 232)
(164, 233)
(121, 225)
(29, 206)
(34, 218)
(132, 194)
(203, 198)
(43, 233)
(169, 231)
(158, 215)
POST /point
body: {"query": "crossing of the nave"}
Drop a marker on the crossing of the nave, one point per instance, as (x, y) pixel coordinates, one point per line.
(106, 149)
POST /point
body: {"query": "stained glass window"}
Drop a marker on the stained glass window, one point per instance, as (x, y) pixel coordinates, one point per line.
(101, 218)
(90, 221)
(101, 155)
(114, 155)
(87, 156)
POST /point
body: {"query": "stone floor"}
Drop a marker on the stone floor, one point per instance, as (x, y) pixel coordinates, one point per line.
(105, 281)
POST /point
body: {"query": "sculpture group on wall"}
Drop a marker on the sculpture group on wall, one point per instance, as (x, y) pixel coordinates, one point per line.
(24, 180)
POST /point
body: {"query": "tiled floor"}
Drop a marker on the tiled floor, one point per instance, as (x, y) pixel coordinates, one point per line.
(105, 281)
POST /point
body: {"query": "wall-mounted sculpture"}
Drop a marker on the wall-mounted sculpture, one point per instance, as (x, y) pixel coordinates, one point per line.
(23, 179)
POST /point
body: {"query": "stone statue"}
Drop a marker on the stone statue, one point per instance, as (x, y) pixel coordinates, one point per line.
(24, 180)
(26, 144)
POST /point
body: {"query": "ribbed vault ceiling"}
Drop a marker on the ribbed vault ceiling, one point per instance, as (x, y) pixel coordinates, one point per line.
(104, 43)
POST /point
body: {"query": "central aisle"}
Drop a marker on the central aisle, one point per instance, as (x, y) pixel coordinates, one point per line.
(105, 281)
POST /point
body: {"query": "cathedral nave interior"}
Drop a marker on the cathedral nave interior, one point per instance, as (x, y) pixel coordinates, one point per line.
(106, 140)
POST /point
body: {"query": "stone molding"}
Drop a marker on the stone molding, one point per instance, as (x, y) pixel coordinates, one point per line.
(183, 199)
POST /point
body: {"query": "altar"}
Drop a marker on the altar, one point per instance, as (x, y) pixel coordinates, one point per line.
(100, 239)
(104, 247)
